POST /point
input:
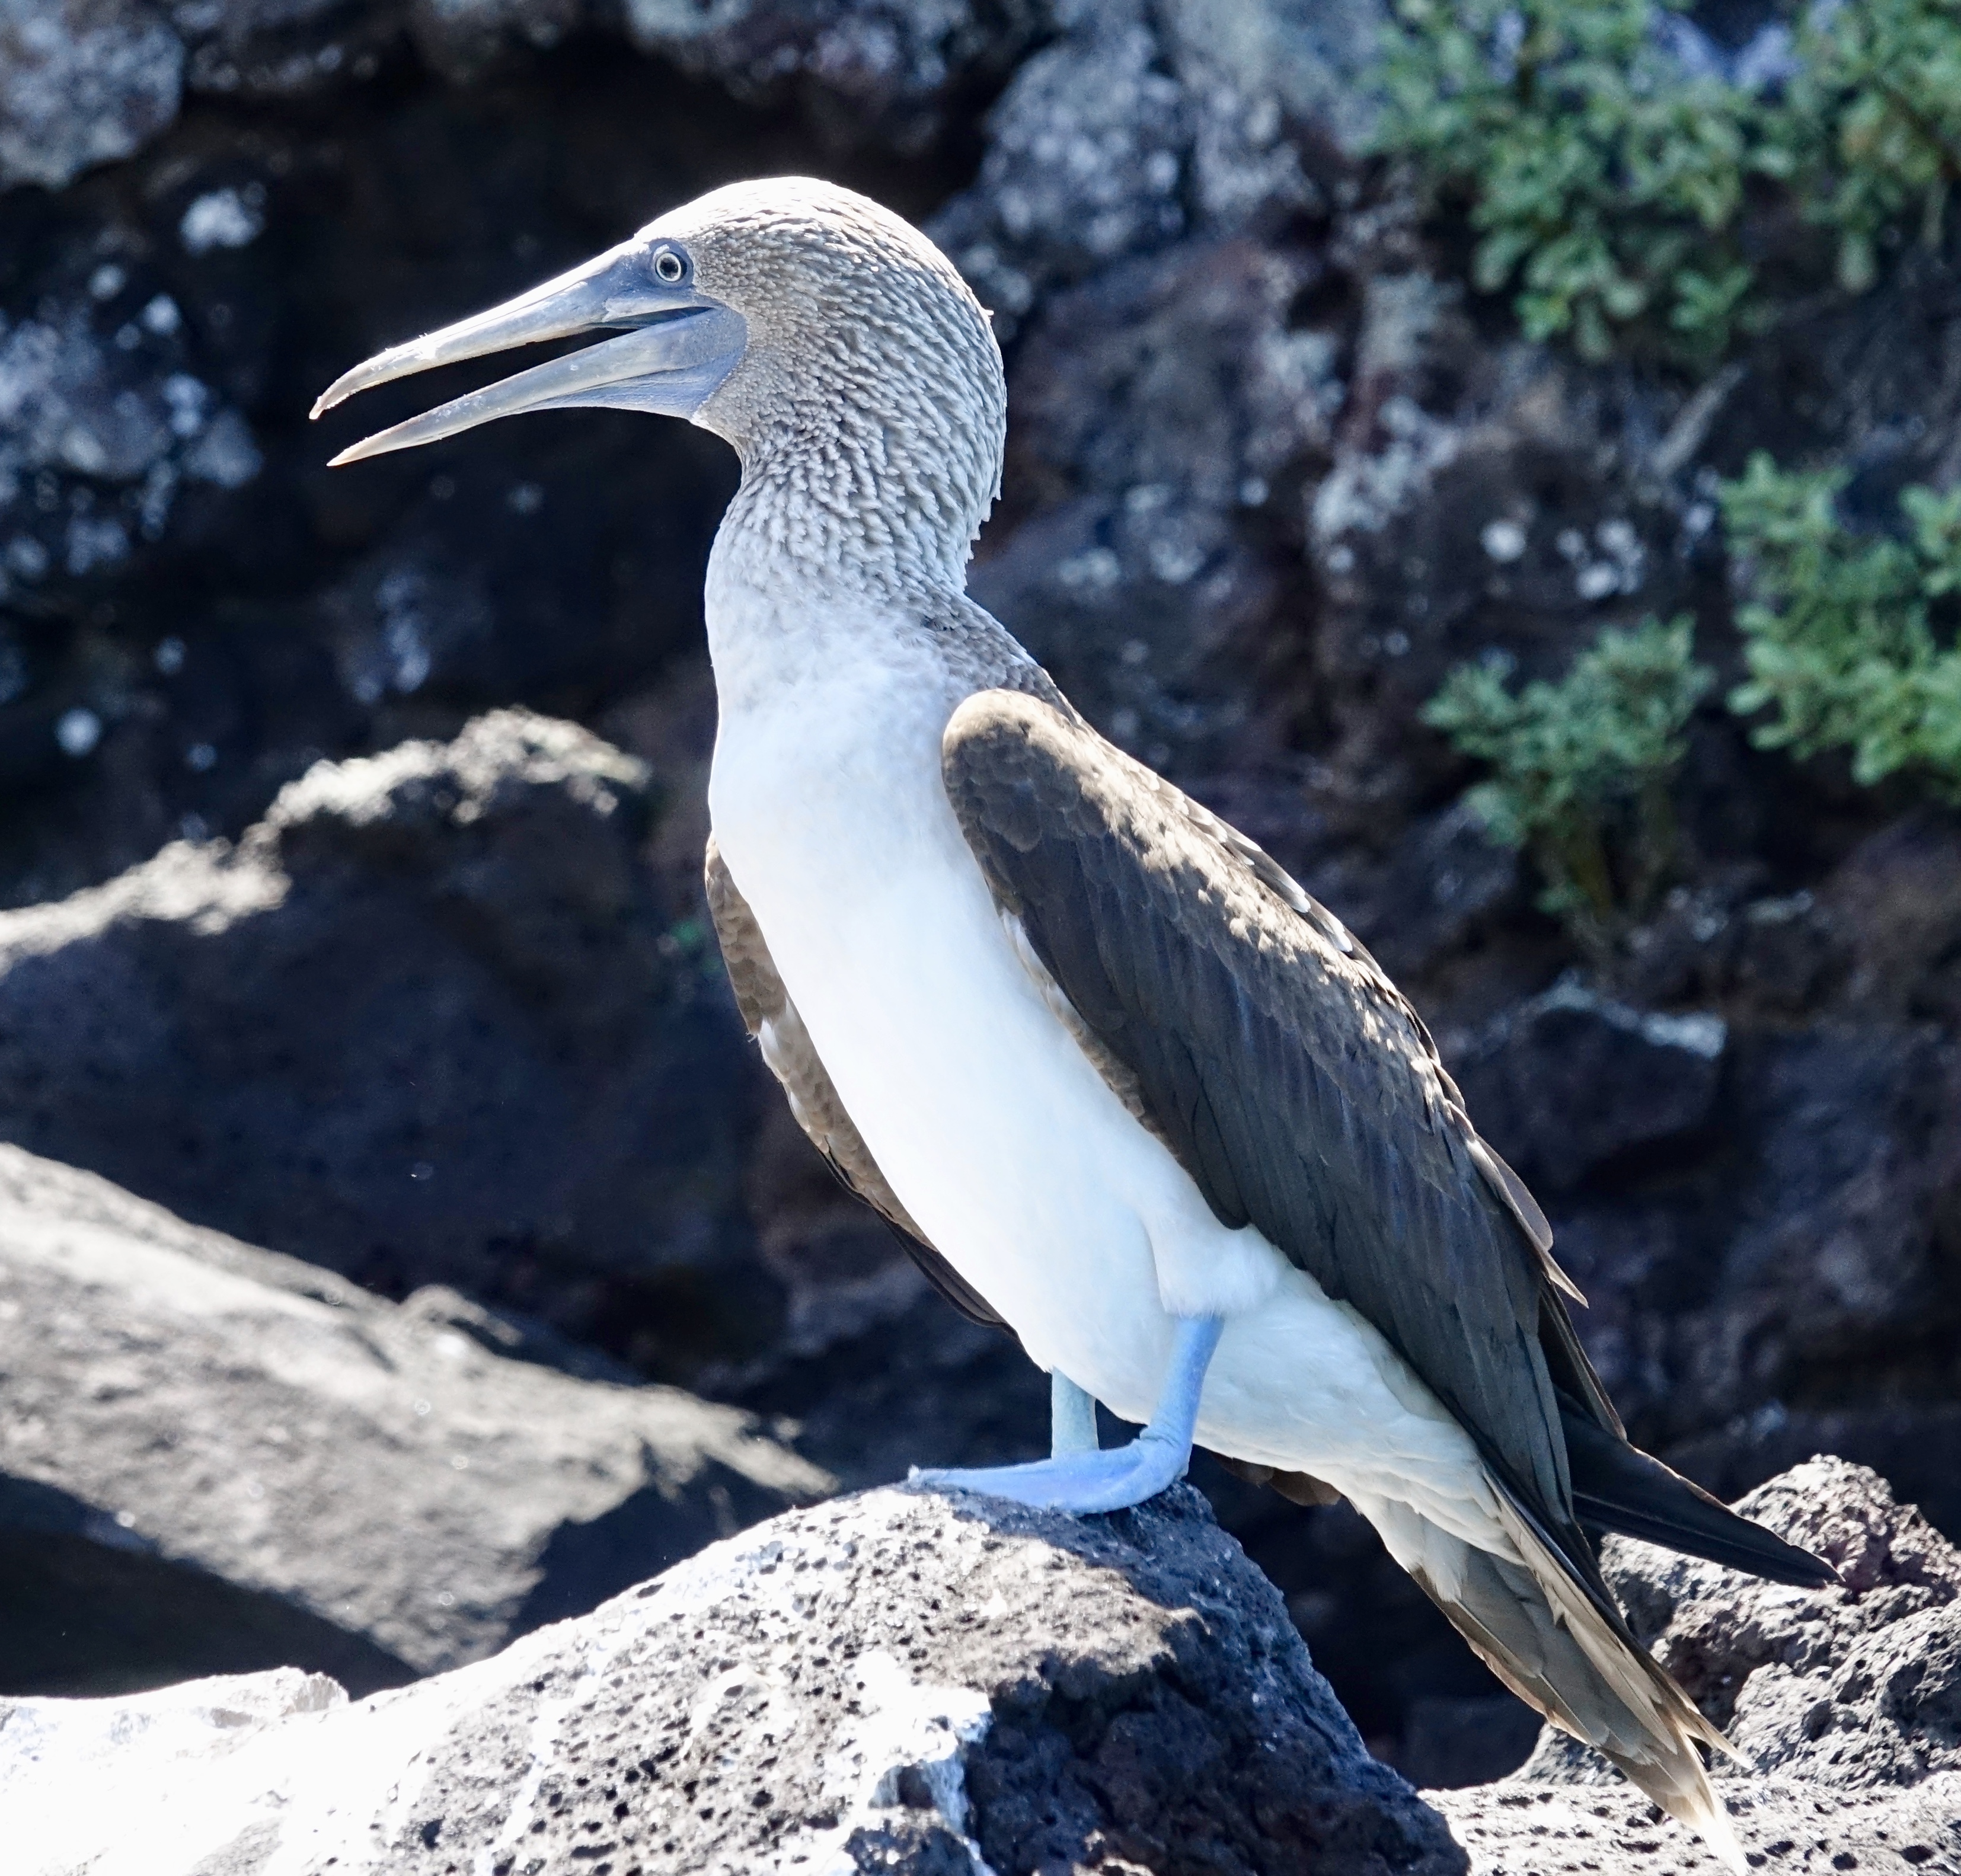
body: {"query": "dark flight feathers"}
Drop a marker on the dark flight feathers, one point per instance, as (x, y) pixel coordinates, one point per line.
(1266, 1048)
(1618, 1487)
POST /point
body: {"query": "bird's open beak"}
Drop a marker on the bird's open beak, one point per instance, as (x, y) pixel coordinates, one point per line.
(676, 347)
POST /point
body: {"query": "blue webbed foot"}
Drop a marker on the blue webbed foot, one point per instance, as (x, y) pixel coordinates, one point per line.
(1079, 1483)
(1080, 1480)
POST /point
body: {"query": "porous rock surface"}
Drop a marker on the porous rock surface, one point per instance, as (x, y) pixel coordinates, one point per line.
(910, 1682)
(217, 1457)
(892, 1683)
(1844, 1705)
(1856, 1688)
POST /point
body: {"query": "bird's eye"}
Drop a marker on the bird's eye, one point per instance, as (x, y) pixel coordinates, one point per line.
(668, 266)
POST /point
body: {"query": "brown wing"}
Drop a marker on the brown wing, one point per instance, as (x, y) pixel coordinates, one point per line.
(772, 1019)
(1282, 1068)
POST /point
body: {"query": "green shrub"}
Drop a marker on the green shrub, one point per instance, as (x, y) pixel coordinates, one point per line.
(1607, 185)
(1603, 182)
(1871, 127)
(1583, 769)
(1850, 639)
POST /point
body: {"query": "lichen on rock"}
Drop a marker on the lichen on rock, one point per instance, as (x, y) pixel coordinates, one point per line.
(81, 82)
(896, 1682)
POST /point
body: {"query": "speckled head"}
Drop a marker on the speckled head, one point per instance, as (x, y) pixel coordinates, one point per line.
(831, 343)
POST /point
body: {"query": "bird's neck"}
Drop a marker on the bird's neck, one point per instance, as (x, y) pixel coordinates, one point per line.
(805, 593)
(850, 493)
(822, 540)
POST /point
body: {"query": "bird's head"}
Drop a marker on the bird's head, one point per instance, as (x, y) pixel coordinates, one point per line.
(830, 342)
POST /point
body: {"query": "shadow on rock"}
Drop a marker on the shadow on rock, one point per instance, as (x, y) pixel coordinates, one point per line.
(892, 1683)
(424, 1024)
(219, 1459)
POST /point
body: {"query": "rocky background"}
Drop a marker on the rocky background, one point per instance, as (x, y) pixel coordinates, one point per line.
(350, 822)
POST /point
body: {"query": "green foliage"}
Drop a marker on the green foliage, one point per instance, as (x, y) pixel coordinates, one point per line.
(1843, 637)
(1607, 185)
(1871, 127)
(1583, 768)
(1602, 182)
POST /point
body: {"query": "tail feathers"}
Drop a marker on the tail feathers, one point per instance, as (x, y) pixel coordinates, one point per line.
(1618, 1487)
(1543, 1633)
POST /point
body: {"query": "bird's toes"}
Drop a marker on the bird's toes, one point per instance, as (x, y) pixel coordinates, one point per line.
(1031, 1484)
(1144, 1470)
(1084, 1484)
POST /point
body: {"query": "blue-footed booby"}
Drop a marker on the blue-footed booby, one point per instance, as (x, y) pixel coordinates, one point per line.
(1122, 1085)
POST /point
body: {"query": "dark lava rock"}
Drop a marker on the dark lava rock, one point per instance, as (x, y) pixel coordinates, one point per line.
(1165, 418)
(1844, 1704)
(1084, 160)
(98, 398)
(1484, 501)
(893, 1683)
(1800, 1255)
(1758, 955)
(424, 1024)
(86, 82)
(1846, 1227)
(1141, 124)
(902, 1681)
(888, 70)
(1148, 229)
(81, 82)
(1898, 896)
(1572, 1081)
(1781, 1278)
(219, 1459)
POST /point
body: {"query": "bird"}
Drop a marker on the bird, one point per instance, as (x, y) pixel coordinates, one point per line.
(1120, 1084)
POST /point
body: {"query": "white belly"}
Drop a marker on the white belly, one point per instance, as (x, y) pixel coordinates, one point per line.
(1001, 1138)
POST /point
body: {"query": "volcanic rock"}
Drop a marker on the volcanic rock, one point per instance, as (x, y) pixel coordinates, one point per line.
(1571, 1080)
(81, 82)
(1140, 125)
(1844, 1705)
(936, 1686)
(892, 1683)
(424, 1024)
(219, 1458)
(1804, 1235)
(1166, 415)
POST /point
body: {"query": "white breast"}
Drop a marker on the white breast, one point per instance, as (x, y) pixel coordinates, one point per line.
(997, 1133)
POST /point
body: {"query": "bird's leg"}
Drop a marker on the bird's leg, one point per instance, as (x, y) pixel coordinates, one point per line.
(1072, 1418)
(1088, 1481)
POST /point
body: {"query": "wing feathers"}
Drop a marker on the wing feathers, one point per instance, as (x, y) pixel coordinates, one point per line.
(1618, 1487)
(1284, 1070)
(1587, 1672)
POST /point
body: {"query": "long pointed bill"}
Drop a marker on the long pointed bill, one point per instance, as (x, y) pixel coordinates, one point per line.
(677, 347)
